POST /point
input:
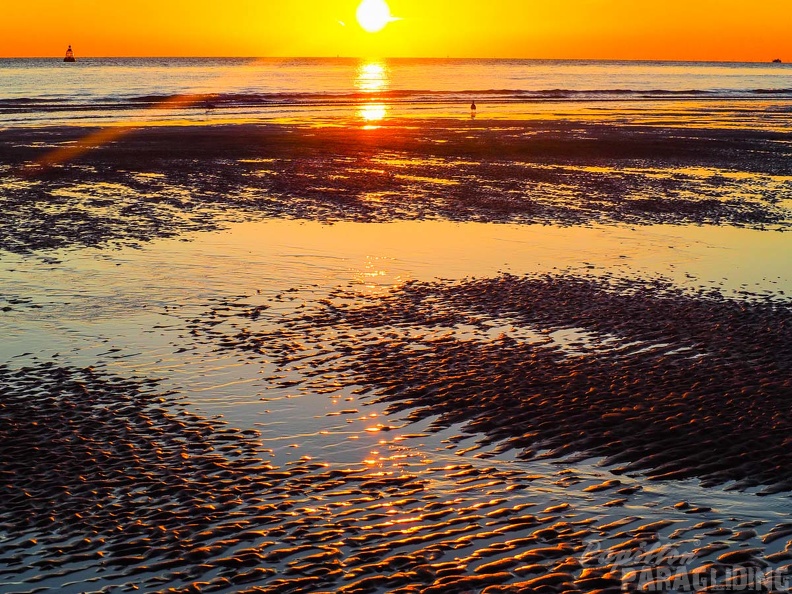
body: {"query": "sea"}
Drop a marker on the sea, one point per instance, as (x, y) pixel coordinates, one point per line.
(47, 91)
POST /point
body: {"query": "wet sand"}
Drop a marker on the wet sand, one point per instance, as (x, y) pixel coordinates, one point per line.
(109, 484)
(87, 187)
(608, 421)
(646, 377)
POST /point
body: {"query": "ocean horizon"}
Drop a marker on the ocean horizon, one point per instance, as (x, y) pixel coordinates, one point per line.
(364, 57)
(36, 90)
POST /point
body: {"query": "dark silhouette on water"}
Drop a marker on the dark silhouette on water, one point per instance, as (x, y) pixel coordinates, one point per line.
(473, 109)
(69, 55)
(777, 61)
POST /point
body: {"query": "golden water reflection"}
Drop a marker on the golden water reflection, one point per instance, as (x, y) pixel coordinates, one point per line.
(372, 77)
(373, 112)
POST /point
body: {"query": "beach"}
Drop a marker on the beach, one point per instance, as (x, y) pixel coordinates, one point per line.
(164, 180)
(384, 351)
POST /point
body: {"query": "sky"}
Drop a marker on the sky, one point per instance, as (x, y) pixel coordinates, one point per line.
(724, 30)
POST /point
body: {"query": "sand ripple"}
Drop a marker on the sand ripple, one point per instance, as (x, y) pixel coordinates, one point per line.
(649, 379)
(109, 485)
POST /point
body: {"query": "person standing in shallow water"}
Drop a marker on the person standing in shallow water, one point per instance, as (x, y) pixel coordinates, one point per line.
(473, 109)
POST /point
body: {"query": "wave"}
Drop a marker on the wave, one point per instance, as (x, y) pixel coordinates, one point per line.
(402, 96)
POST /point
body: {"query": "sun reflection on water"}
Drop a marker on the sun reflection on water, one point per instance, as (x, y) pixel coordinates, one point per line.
(373, 112)
(372, 78)
(375, 275)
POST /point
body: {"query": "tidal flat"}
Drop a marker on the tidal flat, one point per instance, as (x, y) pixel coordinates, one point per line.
(421, 356)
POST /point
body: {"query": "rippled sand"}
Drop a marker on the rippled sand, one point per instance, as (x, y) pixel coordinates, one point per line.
(378, 406)
(311, 485)
(108, 484)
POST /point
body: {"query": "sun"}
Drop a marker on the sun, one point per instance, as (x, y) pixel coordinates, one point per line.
(373, 15)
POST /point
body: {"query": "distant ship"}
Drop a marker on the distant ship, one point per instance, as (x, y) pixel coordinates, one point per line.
(777, 61)
(69, 55)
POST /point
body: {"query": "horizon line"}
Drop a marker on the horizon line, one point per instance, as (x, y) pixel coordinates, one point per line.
(338, 57)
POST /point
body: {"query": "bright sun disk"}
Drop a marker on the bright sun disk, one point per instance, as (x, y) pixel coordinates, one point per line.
(373, 15)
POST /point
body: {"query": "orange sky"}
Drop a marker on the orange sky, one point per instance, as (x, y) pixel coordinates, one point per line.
(617, 29)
